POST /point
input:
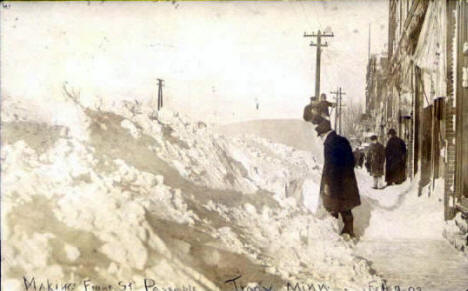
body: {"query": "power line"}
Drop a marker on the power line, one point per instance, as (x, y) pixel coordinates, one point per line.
(305, 11)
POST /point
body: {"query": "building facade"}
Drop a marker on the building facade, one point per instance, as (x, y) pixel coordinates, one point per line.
(420, 88)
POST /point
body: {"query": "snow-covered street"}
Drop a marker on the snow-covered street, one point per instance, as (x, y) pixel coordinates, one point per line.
(234, 145)
(403, 238)
(119, 196)
(428, 264)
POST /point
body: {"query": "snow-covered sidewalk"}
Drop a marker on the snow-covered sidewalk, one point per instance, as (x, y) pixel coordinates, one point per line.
(401, 236)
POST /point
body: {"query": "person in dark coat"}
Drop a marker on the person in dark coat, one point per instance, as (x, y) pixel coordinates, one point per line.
(367, 164)
(324, 105)
(321, 105)
(395, 155)
(376, 158)
(338, 187)
(358, 157)
(361, 158)
(356, 154)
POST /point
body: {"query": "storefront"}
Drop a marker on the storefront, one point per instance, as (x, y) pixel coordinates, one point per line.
(430, 94)
(461, 176)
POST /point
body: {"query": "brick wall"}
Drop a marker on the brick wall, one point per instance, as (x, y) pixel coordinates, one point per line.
(450, 159)
(450, 112)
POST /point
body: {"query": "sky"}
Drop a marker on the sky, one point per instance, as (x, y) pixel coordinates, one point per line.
(217, 59)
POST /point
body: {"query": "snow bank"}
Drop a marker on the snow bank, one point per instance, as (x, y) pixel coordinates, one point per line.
(397, 212)
(164, 202)
(456, 232)
(60, 113)
(291, 132)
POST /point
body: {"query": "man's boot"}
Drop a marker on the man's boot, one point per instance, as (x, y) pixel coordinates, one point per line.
(347, 217)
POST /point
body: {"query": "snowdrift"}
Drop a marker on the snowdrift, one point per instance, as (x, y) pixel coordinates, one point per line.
(294, 133)
(120, 198)
(397, 212)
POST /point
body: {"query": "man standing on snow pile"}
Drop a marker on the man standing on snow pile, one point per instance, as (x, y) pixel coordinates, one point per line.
(395, 154)
(338, 188)
(322, 104)
(376, 158)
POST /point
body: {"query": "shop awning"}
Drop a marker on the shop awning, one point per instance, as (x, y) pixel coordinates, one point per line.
(430, 53)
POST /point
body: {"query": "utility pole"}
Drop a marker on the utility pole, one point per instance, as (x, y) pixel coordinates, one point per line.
(319, 46)
(338, 103)
(340, 117)
(160, 94)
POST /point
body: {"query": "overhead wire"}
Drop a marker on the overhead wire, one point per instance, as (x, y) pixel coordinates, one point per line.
(327, 57)
(307, 18)
(306, 21)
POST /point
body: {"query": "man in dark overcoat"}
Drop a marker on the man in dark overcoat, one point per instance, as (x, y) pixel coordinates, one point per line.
(338, 187)
(321, 105)
(395, 158)
(376, 158)
(358, 157)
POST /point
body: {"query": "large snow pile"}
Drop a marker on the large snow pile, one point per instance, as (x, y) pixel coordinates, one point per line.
(291, 132)
(120, 196)
(397, 212)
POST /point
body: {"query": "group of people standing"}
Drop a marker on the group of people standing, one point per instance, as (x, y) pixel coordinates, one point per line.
(393, 156)
(339, 190)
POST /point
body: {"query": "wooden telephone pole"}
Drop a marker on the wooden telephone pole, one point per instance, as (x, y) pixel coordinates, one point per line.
(160, 94)
(319, 46)
(338, 97)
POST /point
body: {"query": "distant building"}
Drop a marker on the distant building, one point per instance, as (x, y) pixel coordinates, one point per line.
(376, 94)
